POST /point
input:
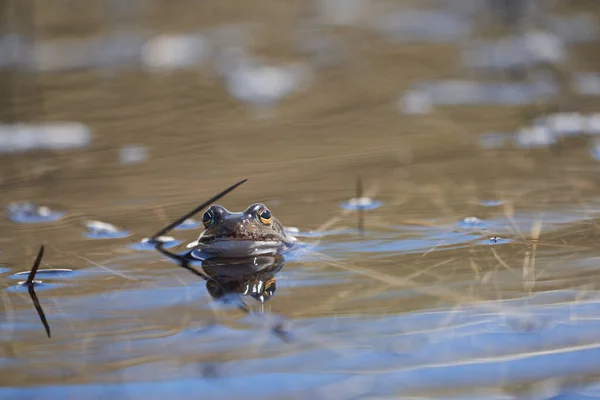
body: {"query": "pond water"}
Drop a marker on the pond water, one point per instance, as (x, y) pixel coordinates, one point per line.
(463, 269)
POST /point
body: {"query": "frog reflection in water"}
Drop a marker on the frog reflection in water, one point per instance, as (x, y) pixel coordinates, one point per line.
(251, 276)
(249, 233)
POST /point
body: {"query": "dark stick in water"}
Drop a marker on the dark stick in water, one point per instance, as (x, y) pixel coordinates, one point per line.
(35, 267)
(30, 288)
(361, 212)
(181, 260)
(195, 210)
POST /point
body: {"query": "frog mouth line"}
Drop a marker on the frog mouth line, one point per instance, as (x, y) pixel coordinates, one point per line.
(211, 240)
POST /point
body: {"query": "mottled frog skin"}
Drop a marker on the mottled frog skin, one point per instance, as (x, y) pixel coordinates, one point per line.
(252, 232)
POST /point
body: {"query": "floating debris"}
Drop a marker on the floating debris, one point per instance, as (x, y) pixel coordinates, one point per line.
(534, 137)
(168, 52)
(133, 154)
(30, 213)
(471, 222)
(424, 26)
(23, 137)
(361, 203)
(189, 223)
(103, 230)
(150, 244)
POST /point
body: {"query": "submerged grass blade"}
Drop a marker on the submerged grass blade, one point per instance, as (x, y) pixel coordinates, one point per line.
(195, 210)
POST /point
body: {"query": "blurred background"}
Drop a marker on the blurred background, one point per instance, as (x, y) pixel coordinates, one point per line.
(471, 124)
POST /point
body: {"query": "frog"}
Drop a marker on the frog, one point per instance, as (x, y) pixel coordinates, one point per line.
(254, 231)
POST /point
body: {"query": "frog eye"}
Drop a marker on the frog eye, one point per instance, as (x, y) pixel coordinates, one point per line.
(265, 216)
(208, 218)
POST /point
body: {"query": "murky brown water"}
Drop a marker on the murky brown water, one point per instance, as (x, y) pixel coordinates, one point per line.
(420, 305)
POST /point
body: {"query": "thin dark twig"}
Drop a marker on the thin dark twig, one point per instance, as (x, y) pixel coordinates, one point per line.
(182, 261)
(195, 210)
(30, 282)
(361, 211)
(35, 267)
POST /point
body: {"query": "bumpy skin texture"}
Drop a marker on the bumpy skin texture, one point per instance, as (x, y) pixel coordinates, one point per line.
(242, 226)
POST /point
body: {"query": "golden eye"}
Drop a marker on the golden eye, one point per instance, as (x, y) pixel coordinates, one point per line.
(265, 216)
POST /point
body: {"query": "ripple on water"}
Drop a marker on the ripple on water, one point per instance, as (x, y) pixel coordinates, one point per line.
(21, 287)
(189, 223)
(383, 245)
(30, 213)
(491, 203)
(147, 244)
(103, 230)
(472, 223)
(43, 274)
(54, 272)
(361, 203)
